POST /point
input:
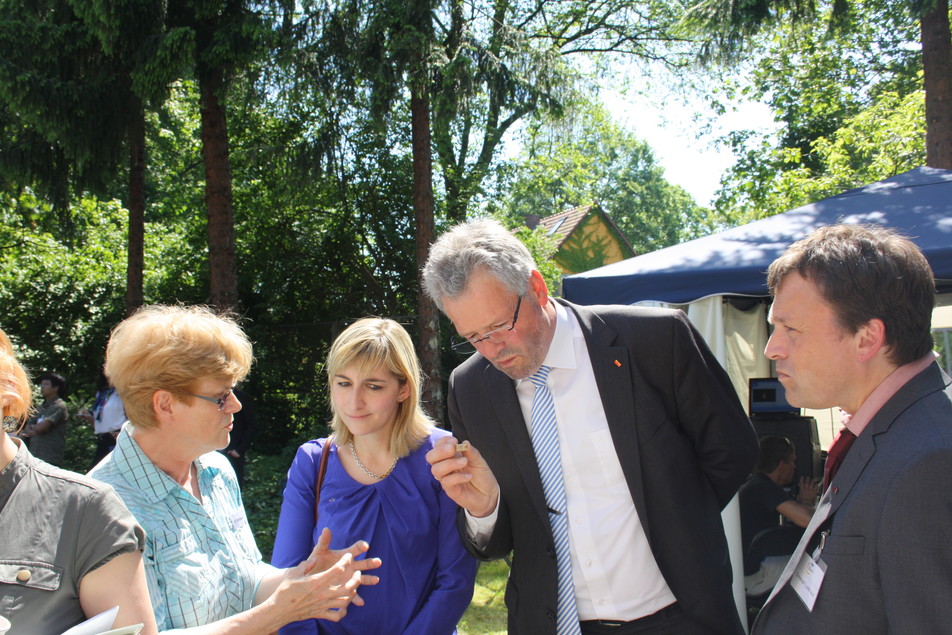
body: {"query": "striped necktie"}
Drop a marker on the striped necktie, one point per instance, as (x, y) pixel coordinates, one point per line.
(545, 444)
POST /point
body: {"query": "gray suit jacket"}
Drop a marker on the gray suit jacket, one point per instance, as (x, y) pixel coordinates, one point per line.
(685, 446)
(889, 517)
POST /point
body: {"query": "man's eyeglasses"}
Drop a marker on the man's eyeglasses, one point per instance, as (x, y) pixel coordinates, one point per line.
(468, 345)
(221, 402)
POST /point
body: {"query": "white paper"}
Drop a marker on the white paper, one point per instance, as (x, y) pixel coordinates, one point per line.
(125, 630)
(96, 625)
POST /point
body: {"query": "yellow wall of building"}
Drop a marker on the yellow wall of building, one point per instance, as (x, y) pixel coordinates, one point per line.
(592, 235)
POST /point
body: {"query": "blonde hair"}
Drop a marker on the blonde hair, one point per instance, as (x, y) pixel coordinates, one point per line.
(370, 343)
(16, 393)
(171, 348)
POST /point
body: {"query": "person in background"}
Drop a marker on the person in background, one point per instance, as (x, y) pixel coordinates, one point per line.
(242, 434)
(605, 441)
(69, 549)
(175, 368)
(851, 314)
(763, 503)
(46, 430)
(106, 416)
(378, 488)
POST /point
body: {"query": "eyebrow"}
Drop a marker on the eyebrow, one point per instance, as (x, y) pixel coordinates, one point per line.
(378, 380)
(488, 328)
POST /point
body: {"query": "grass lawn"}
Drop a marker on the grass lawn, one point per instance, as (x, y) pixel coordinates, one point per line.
(486, 614)
(264, 482)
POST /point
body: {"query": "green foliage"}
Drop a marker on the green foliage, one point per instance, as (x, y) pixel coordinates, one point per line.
(942, 337)
(60, 303)
(883, 140)
(62, 105)
(585, 157)
(324, 237)
(265, 476)
(850, 111)
(543, 248)
(80, 439)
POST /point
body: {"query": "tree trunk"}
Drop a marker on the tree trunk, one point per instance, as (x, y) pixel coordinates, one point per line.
(136, 204)
(428, 344)
(222, 259)
(937, 71)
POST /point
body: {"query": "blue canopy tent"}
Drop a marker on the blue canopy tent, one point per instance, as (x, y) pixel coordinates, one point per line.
(917, 203)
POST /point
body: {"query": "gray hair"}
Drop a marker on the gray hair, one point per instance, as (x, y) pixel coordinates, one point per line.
(478, 245)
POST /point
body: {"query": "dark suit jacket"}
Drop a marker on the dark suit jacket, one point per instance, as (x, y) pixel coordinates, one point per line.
(683, 440)
(888, 553)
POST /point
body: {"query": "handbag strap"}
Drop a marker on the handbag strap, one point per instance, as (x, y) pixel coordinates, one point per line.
(321, 470)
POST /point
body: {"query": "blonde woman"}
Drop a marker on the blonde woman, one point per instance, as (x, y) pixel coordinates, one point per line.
(70, 548)
(378, 488)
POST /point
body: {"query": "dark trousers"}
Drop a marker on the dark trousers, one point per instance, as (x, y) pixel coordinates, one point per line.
(239, 465)
(104, 445)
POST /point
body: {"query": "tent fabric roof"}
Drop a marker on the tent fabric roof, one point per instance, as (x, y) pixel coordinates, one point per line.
(917, 203)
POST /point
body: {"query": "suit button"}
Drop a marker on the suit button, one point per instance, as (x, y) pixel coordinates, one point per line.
(551, 552)
(24, 575)
(550, 615)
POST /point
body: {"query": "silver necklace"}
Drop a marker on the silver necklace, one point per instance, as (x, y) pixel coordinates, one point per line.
(379, 477)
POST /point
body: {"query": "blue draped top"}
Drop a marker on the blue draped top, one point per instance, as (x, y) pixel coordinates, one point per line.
(427, 577)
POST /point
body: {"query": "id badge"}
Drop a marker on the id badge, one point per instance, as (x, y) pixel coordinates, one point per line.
(807, 579)
(236, 519)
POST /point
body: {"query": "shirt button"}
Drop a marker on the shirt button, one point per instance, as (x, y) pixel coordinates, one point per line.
(24, 575)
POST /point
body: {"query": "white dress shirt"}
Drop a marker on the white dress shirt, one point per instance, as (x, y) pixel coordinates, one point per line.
(110, 415)
(614, 571)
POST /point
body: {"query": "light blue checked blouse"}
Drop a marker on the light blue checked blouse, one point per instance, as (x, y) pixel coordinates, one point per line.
(201, 560)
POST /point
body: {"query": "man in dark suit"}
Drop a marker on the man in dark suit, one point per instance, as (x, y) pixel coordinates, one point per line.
(851, 313)
(652, 444)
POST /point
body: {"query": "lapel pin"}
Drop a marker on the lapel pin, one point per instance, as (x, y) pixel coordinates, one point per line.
(618, 363)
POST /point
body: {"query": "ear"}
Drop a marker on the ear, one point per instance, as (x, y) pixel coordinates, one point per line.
(870, 339)
(163, 403)
(538, 287)
(404, 392)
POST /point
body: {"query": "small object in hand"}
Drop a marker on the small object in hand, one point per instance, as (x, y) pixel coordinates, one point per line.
(462, 447)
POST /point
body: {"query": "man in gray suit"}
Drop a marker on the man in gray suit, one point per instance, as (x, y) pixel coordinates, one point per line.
(651, 444)
(851, 313)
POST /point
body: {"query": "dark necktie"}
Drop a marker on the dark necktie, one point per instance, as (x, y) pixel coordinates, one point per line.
(836, 454)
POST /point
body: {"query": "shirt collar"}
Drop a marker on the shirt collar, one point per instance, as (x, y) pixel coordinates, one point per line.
(885, 391)
(15, 470)
(141, 472)
(561, 353)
